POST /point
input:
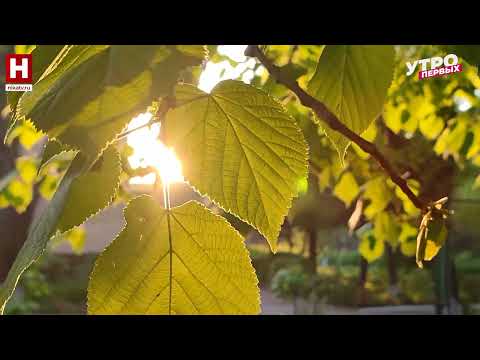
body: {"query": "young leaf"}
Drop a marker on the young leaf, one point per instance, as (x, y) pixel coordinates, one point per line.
(183, 261)
(95, 90)
(241, 148)
(62, 211)
(352, 81)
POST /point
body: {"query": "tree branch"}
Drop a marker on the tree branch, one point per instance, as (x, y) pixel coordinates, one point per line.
(165, 105)
(332, 121)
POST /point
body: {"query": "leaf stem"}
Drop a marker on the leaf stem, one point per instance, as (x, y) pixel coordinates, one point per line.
(166, 200)
(333, 122)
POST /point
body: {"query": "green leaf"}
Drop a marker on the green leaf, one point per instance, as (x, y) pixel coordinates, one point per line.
(238, 146)
(18, 194)
(24, 49)
(347, 188)
(370, 247)
(53, 151)
(48, 186)
(379, 194)
(431, 126)
(408, 240)
(183, 261)
(25, 132)
(96, 90)
(26, 168)
(39, 233)
(430, 240)
(68, 207)
(452, 139)
(198, 51)
(476, 184)
(408, 206)
(91, 192)
(386, 228)
(352, 81)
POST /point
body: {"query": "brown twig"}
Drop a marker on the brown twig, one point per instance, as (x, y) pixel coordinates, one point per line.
(332, 121)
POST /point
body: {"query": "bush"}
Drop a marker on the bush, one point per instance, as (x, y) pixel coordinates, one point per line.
(417, 285)
(267, 265)
(466, 262)
(291, 283)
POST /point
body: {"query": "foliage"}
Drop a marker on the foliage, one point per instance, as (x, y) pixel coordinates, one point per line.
(247, 148)
(291, 282)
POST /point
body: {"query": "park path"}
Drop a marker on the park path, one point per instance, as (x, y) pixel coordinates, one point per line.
(271, 305)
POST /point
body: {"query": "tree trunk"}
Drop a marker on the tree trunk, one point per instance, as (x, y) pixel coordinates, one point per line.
(362, 281)
(312, 251)
(392, 271)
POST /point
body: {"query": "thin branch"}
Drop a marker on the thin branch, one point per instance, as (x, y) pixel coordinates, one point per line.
(165, 105)
(333, 122)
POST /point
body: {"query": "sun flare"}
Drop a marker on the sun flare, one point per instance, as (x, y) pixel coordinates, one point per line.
(148, 150)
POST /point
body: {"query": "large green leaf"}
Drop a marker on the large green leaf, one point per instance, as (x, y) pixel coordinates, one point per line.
(241, 148)
(78, 196)
(95, 91)
(183, 261)
(352, 81)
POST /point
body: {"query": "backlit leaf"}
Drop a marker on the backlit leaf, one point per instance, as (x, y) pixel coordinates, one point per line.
(55, 151)
(205, 270)
(370, 247)
(452, 139)
(96, 90)
(386, 228)
(48, 186)
(408, 240)
(430, 239)
(238, 146)
(352, 81)
(379, 194)
(91, 192)
(26, 168)
(347, 188)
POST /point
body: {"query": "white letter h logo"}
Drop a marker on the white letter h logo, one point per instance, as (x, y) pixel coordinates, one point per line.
(14, 68)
